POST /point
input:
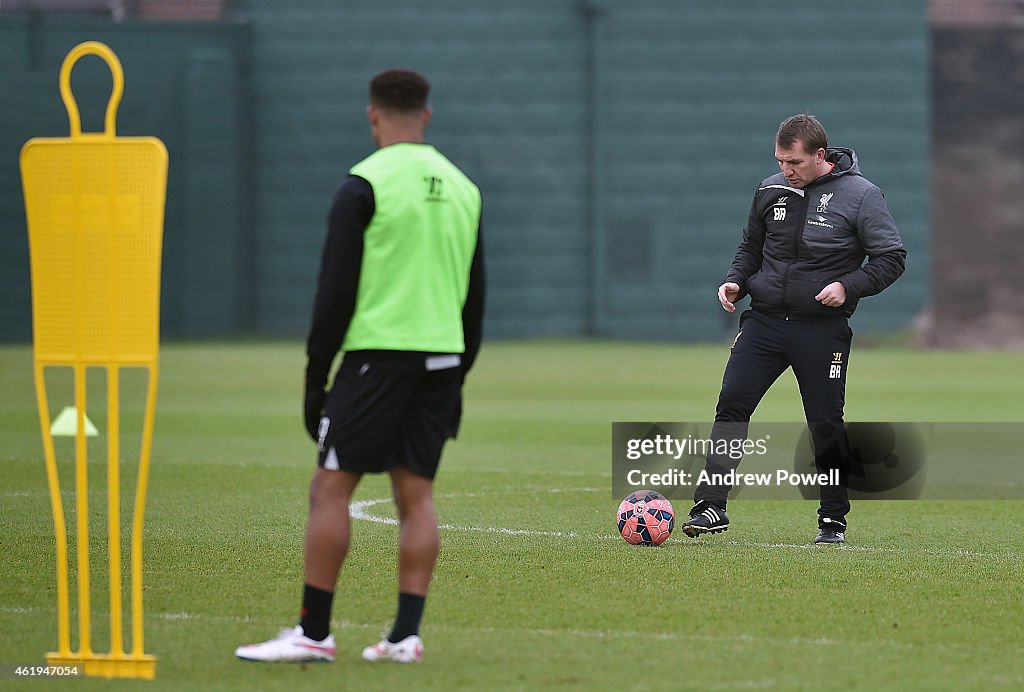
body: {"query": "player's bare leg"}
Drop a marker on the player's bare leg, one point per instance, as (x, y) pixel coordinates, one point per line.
(418, 545)
(419, 541)
(327, 539)
(329, 528)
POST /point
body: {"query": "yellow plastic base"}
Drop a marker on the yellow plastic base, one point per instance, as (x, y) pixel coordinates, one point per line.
(108, 665)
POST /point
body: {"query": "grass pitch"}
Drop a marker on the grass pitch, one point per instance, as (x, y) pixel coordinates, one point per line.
(927, 595)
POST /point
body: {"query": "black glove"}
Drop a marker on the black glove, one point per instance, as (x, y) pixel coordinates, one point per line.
(313, 409)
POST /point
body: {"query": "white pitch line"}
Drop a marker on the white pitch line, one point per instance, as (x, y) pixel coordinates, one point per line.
(875, 549)
(812, 546)
(562, 634)
(188, 617)
(744, 685)
(711, 541)
(65, 492)
(358, 511)
(529, 631)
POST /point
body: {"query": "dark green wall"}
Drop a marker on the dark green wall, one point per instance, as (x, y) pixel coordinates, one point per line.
(676, 104)
(617, 144)
(694, 93)
(184, 83)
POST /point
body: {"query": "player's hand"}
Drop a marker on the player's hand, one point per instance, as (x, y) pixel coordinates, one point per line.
(728, 294)
(313, 409)
(832, 295)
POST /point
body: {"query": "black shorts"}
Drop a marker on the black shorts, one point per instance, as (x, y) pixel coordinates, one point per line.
(387, 408)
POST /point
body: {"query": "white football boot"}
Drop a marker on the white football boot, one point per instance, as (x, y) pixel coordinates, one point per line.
(290, 646)
(409, 650)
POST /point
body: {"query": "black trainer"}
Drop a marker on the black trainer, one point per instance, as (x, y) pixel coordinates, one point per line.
(831, 531)
(706, 518)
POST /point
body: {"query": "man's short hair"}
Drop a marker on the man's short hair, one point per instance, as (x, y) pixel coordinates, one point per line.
(402, 91)
(804, 127)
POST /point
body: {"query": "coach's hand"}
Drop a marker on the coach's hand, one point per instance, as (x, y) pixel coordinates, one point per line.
(313, 409)
(833, 295)
(728, 294)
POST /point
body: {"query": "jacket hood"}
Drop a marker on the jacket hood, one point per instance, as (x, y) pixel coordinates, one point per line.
(845, 161)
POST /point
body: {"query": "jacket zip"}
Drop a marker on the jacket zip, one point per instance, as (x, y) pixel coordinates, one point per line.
(797, 237)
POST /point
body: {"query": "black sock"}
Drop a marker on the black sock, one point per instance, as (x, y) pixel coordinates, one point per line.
(407, 622)
(315, 616)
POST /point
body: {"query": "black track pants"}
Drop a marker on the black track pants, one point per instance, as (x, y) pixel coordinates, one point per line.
(819, 353)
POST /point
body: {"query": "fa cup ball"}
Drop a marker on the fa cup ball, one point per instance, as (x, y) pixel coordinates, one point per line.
(646, 517)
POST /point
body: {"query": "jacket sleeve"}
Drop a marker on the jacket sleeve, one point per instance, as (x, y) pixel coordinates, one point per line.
(338, 283)
(881, 241)
(750, 253)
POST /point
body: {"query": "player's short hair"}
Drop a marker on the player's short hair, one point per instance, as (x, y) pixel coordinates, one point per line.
(804, 127)
(402, 91)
